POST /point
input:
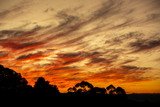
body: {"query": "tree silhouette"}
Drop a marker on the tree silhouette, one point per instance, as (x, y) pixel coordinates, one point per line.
(120, 91)
(111, 89)
(84, 86)
(12, 82)
(43, 88)
(72, 90)
(116, 91)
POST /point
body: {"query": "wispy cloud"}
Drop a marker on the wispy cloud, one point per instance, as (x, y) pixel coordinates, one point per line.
(145, 44)
(14, 10)
(31, 56)
(18, 46)
(123, 74)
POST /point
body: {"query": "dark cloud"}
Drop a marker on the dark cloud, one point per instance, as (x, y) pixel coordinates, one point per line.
(153, 17)
(122, 38)
(4, 13)
(78, 54)
(48, 10)
(128, 61)
(134, 68)
(66, 68)
(98, 60)
(73, 41)
(31, 56)
(74, 79)
(157, 59)
(155, 3)
(71, 61)
(3, 54)
(145, 44)
(7, 34)
(1, 24)
(68, 20)
(104, 61)
(68, 55)
(18, 46)
(107, 9)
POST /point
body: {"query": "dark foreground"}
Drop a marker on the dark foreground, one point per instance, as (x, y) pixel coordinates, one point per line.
(96, 100)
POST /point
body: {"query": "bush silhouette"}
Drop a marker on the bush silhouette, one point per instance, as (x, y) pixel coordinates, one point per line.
(120, 91)
(43, 88)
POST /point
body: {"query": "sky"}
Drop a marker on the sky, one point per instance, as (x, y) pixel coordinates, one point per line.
(67, 41)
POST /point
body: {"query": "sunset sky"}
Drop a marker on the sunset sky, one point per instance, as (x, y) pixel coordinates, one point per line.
(100, 41)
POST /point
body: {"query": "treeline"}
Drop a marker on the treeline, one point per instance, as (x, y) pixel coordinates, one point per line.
(13, 84)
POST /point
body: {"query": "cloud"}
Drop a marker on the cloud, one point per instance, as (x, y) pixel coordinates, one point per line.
(49, 10)
(7, 34)
(19, 46)
(31, 56)
(98, 60)
(78, 54)
(4, 13)
(157, 59)
(134, 68)
(145, 44)
(67, 20)
(107, 9)
(74, 41)
(128, 61)
(15, 10)
(122, 74)
(3, 53)
(114, 51)
(69, 58)
(4, 56)
(103, 61)
(70, 23)
(123, 38)
(153, 17)
(66, 68)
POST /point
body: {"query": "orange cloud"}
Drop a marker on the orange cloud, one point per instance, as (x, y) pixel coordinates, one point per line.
(31, 56)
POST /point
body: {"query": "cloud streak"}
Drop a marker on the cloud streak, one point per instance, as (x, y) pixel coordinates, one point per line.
(145, 44)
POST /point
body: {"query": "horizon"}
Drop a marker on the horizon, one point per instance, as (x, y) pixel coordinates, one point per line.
(68, 41)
